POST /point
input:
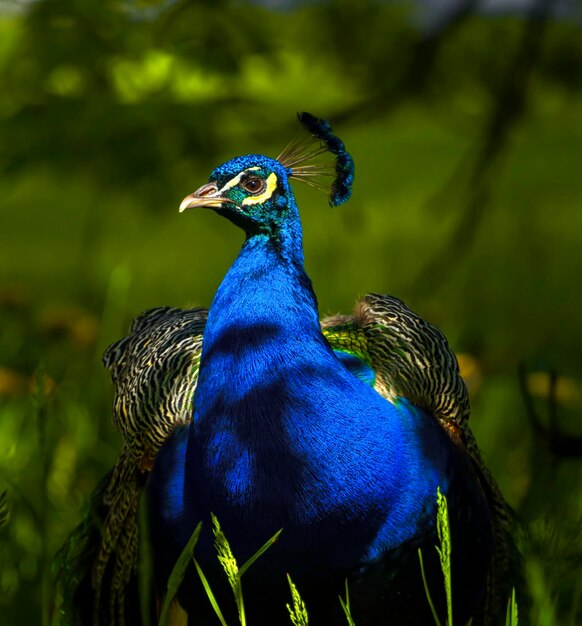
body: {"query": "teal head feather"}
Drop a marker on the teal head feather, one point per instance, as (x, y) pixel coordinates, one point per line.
(252, 191)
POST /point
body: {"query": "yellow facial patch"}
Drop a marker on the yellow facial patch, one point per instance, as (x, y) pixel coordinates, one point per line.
(271, 186)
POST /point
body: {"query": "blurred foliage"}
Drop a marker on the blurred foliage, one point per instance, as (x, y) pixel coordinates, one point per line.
(467, 139)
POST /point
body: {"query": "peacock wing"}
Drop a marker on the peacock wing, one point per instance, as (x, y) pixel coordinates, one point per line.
(405, 356)
(409, 358)
(154, 370)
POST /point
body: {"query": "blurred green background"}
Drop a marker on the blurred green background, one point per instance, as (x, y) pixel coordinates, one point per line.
(466, 130)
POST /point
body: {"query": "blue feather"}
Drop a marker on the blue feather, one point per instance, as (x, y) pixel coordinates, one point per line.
(357, 366)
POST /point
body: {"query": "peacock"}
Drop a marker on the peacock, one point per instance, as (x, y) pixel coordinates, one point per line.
(338, 431)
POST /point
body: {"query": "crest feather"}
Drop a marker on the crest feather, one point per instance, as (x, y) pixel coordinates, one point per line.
(297, 155)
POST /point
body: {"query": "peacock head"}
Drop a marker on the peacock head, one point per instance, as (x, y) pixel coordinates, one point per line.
(254, 192)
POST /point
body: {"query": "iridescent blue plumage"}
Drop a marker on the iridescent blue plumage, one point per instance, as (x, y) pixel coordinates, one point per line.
(285, 436)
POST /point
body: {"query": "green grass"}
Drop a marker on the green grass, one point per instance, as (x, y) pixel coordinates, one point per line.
(297, 609)
(298, 612)
(345, 604)
(178, 572)
(427, 590)
(511, 616)
(444, 550)
(230, 567)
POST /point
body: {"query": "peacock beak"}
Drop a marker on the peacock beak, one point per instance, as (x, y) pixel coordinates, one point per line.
(206, 196)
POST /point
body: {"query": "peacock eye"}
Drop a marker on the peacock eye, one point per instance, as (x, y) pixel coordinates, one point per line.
(254, 185)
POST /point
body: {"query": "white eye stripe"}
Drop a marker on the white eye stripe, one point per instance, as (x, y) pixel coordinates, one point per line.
(236, 180)
(231, 183)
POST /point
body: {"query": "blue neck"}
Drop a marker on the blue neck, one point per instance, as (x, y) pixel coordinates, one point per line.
(281, 430)
(263, 313)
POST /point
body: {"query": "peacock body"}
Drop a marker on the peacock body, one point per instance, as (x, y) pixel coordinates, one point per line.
(339, 432)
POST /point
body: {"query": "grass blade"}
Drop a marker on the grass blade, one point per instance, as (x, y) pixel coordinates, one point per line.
(511, 614)
(230, 567)
(297, 612)
(426, 591)
(209, 593)
(260, 552)
(444, 533)
(176, 615)
(178, 573)
(346, 606)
